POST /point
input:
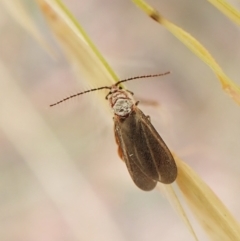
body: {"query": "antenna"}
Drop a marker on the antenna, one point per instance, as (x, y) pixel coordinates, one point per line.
(81, 93)
(109, 87)
(141, 77)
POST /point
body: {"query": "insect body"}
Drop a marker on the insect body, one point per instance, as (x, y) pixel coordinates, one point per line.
(147, 157)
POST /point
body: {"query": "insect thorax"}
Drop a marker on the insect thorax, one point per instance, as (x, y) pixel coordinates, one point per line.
(121, 103)
(123, 107)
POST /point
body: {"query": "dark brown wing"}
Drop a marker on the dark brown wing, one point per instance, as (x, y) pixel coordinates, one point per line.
(139, 178)
(143, 150)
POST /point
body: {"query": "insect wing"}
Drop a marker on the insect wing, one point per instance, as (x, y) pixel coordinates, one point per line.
(139, 178)
(144, 151)
(161, 155)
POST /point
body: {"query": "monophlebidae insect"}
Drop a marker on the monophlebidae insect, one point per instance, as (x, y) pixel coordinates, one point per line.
(147, 157)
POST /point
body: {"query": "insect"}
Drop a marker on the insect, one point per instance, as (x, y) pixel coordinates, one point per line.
(147, 157)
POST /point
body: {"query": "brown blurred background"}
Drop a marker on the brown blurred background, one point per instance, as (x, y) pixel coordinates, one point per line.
(60, 175)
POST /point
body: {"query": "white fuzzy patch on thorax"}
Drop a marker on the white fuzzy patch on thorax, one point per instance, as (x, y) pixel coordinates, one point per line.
(122, 107)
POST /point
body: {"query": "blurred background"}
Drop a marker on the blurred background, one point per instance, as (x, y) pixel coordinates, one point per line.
(60, 175)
